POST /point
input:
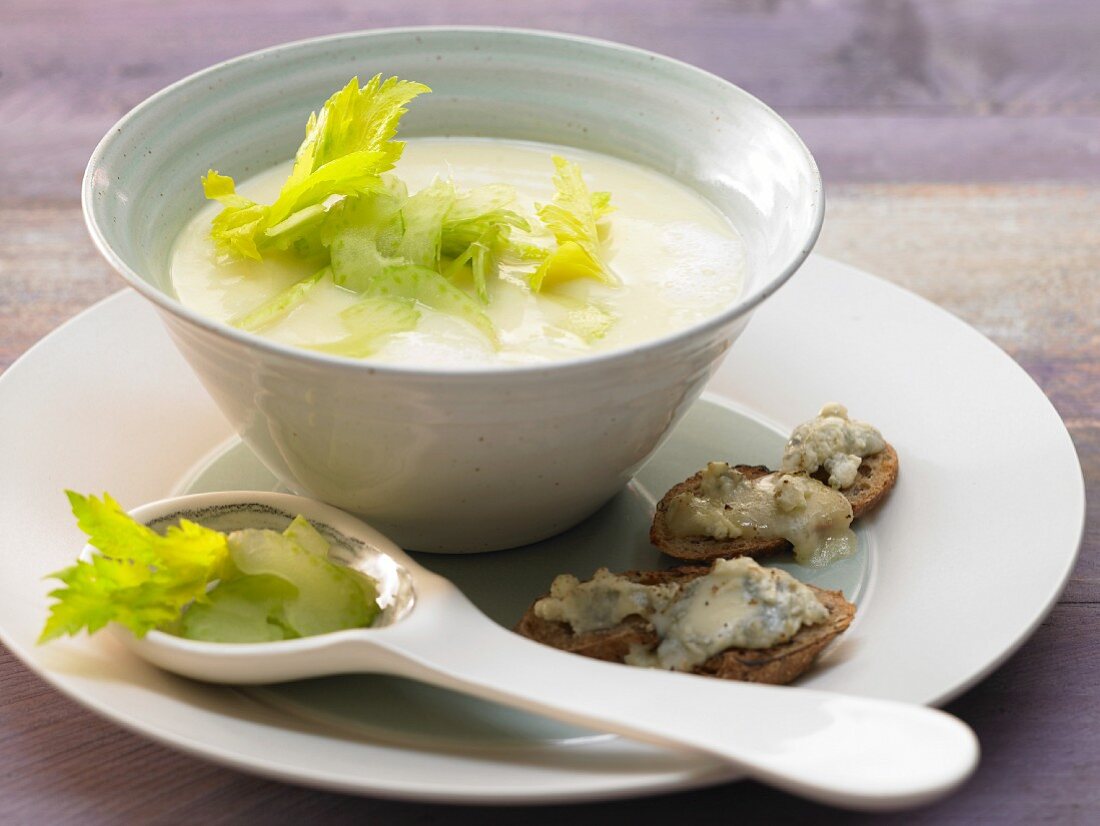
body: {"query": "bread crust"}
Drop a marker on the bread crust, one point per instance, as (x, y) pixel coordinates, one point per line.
(875, 478)
(776, 665)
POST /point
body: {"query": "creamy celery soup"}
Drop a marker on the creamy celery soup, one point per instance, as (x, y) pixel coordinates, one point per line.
(671, 260)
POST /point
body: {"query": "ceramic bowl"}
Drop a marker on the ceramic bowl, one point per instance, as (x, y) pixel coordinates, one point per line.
(456, 460)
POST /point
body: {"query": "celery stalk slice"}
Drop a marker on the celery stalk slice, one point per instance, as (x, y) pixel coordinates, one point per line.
(279, 305)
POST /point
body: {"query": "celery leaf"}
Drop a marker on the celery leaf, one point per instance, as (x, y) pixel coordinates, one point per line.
(348, 145)
(140, 579)
(266, 585)
(575, 218)
(569, 261)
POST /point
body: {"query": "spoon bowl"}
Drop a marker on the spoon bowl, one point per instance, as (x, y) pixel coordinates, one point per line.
(855, 752)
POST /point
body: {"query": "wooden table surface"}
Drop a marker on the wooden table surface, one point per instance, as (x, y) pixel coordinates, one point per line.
(960, 142)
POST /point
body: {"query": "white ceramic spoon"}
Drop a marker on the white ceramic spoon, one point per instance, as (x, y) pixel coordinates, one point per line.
(843, 750)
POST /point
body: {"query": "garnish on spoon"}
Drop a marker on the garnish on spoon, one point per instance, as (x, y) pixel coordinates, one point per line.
(245, 586)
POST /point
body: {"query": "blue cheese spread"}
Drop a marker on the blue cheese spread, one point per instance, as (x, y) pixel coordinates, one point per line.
(601, 602)
(834, 442)
(815, 519)
(738, 604)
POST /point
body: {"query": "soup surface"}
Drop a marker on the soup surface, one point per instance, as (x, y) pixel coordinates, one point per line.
(675, 259)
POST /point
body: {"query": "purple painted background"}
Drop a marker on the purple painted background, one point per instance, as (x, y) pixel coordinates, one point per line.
(960, 143)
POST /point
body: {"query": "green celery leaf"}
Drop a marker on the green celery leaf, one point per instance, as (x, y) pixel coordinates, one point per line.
(300, 233)
(482, 257)
(566, 263)
(141, 579)
(348, 145)
(235, 228)
(477, 211)
(353, 174)
(574, 218)
(476, 233)
(354, 120)
(266, 585)
(481, 201)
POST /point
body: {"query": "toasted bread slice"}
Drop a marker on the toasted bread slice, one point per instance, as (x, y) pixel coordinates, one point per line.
(877, 475)
(776, 665)
(706, 548)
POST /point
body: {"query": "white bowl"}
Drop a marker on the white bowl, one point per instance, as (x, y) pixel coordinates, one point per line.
(456, 460)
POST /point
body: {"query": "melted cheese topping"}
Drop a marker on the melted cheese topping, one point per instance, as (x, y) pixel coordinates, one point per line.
(813, 518)
(738, 604)
(601, 602)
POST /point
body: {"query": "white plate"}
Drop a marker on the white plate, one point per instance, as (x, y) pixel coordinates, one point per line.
(952, 583)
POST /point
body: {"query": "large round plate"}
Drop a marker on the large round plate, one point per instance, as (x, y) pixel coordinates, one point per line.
(952, 581)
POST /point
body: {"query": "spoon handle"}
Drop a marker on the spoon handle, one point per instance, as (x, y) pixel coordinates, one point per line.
(848, 751)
